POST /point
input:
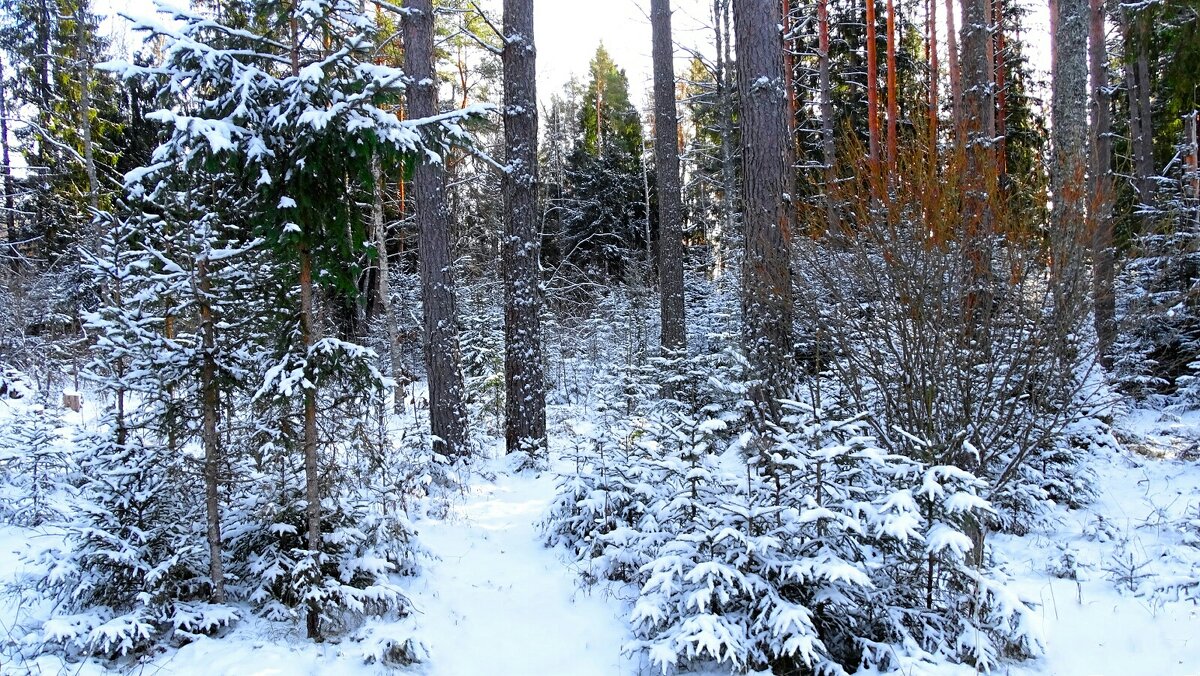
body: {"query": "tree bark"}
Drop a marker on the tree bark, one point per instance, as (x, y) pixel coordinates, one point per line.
(10, 207)
(1103, 293)
(892, 105)
(1000, 53)
(725, 242)
(210, 438)
(308, 338)
(828, 154)
(447, 414)
(979, 128)
(956, 102)
(872, 86)
(383, 285)
(767, 193)
(85, 111)
(525, 386)
(312, 470)
(1145, 167)
(666, 163)
(1069, 103)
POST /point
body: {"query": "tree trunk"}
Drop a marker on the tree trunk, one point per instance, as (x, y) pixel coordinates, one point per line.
(1191, 123)
(1001, 94)
(1102, 190)
(447, 415)
(979, 130)
(312, 470)
(666, 163)
(931, 226)
(383, 285)
(308, 331)
(725, 242)
(828, 154)
(767, 193)
(210, 439)
(872, 86)
(892, 105)
(85, 111)
(1069, 103)
(10, 207)
(956, 102)
(1145, 168)
(525, 384)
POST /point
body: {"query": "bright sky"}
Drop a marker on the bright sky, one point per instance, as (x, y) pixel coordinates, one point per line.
(568, 31)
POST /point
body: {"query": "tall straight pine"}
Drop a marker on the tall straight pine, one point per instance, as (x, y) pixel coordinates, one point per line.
(447, 413)
(766, 197)
(525, 402)
(666, 163)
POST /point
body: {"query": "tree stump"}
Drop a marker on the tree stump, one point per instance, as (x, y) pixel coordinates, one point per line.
(73, 401)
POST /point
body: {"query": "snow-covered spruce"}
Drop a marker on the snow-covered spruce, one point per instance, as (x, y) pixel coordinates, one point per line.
(801, 545)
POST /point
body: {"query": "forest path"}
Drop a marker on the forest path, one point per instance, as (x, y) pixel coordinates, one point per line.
(497, 602)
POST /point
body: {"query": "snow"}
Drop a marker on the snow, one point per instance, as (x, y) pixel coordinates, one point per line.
(517, 605)
(492, 600)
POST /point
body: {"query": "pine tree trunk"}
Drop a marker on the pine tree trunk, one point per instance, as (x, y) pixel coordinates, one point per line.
(956, 102)
(210, 439)
(10, 207)
(85, 111)
(892, 104)
(767, 176)
(525, 383)
(447, 414)
(1191, 126)
(979, 130)
(1001, 94)
(1145, 168)
(872, 87)
(666, 163)
(1102, 189)
(1069, 103)
(383, 286)
(931, 224)
(828, 154)
(725, 242)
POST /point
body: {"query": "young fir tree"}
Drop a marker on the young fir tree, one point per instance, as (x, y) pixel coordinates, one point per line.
(245, 202)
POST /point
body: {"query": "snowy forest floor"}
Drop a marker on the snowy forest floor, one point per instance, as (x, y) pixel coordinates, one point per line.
(492, 600)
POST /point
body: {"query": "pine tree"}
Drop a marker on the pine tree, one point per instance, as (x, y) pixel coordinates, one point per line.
(767, 176)
(666, 163)
(525, 386)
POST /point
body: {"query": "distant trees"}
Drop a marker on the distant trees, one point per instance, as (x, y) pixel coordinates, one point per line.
(604, 219)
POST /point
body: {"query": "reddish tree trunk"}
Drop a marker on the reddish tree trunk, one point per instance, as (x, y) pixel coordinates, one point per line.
(892, 106)
(872, 94)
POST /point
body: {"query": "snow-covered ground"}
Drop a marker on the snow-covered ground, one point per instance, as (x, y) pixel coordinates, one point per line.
(492, 600)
